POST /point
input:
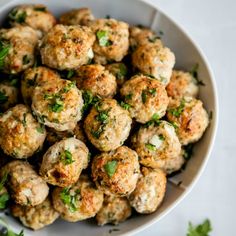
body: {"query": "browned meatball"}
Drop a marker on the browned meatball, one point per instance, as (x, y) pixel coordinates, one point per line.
(35, 217)
(81, 16)
(114, 210)
(116, 172)
(97, 80)
(25, 185)
(79, 202)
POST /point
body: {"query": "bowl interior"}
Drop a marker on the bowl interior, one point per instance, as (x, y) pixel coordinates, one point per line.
(187, 54)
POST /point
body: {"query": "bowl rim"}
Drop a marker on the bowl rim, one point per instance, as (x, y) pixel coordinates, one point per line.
(214, 123)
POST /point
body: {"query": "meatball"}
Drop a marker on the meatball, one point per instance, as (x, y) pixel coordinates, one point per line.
(67, 47)
(64, 161)
(33, 77)
(19, 46)
(154, 60)
(97, 80)
(158, 146)
(141, 36)
(25, 185)
(58, 105)
(35, 217)
(119, 70)
(112, 42)
(36, 16)
(189, 117)
(149, 192)
(114, 210)
(81, 16)
(107, 125)
(182, 84)
(79, 202)
(147, 97)
(116, 172)
(8, 96)
(21, 135)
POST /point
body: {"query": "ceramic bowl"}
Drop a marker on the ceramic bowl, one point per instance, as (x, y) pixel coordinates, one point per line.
(187, 54)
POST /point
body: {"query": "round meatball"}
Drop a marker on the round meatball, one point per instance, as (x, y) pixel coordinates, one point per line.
(147, 97)
(116, 172)
(19, 45)
(112, 42)
(81, 16)
(8, 96)
(154, 60)
(141, 36)
(189, 117)
(64, 161)
(119, 70)
(182, 84)
(149, 192)
(67, 47)
(33, 77)
(97, 80)
(58, 105)
(114, 210)
(25, 185)
(158, 146)
(35, 217)
(79, 202)
(107, 125)
(36, 16)
(21, 135)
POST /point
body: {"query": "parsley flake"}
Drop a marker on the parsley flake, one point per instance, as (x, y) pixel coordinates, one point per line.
(66, 157)
(103, 38)
(70, 198)
(199, 230)
(150, 147)
(178, 110)
(4, 50)
(126, 106)
(110, 167)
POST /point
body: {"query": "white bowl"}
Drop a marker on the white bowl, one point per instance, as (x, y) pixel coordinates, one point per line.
(187, 54)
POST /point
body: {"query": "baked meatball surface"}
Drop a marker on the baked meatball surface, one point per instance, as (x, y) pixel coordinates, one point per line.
(158, 147)
(64, 161)
(182, 84)
(25, 185)
(36, 16)
(97, 80)
(149, 192)
(79, 202)
(116, 172)
(107, 125)
(112, 40)
(35, 217)
(33, 77)
(19, 43)
(154, 60)
(81, 16)
(114, 210)
(58, 105)
(146, 97)
(67, 47)
(189, 117)
(21, 135)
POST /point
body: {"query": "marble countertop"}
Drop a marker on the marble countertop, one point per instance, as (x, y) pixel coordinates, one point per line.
(212, 25)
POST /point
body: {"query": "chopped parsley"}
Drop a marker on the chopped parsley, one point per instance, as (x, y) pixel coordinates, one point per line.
(4, 50)
(174, 124)
(188, 151)
(3, 97)
(199, 230)
(122, 71)
(24, 120)
(70, 198)
(66, 157)
(4, 197)
(126, 106)
(145, 93)
(154, 121)
(14, 15)
(110, 167)
(26, 60)
(128, 96)
(89, 100)
(103, 38)
(70, 74)
(178, 110)
(69, 86)
(194, 73)
(150, 147)
(40, 129)
(98, 132)
(102, 116)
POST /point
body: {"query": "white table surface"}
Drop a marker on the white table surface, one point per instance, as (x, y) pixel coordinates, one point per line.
(212, 24)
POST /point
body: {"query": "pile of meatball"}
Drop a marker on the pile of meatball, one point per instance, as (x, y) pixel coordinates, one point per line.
(93, 117)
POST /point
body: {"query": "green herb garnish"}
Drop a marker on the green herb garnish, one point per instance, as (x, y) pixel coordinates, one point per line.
(122, 71)
(26, 60)
(4, 50)
(154, 121)
(70, 74)
(40, 129)
(24, 120)
(150, 147)
(188, 151)
(110, 167)
(145, 93)
(199, 230)
(14, 15)
(4, 197)
(69, 198)
(3, 97)
(126, 106)
(66, 157)
(103, 38)
(178, 110)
